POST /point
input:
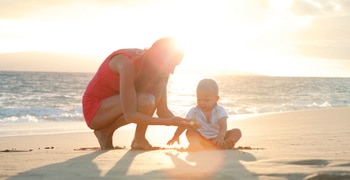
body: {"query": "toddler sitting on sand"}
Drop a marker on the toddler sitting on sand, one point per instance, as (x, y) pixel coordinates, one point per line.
(212, 134)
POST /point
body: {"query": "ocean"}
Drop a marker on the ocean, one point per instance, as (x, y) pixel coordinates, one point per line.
(39, 97)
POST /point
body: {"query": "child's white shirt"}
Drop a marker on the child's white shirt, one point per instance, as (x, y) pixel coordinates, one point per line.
(209, 129)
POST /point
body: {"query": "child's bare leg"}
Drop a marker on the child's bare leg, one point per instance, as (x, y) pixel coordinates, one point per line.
(194, 138)
(209, 144)
(231, 138)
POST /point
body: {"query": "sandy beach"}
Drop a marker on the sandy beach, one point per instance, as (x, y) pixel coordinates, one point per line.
(311, 144)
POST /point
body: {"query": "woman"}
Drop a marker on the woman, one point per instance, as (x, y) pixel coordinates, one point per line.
(129, 87)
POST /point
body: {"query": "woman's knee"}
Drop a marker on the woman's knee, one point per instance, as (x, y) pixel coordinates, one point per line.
(146, 102)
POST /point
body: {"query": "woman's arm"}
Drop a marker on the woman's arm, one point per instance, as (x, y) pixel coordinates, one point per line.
(162, 109)
(128, 97)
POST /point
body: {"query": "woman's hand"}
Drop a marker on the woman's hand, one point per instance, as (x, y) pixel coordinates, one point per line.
(178, 121)
(173, 140)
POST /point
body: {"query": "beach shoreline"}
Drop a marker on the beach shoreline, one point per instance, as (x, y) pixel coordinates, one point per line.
(286, 145)
(63, 127)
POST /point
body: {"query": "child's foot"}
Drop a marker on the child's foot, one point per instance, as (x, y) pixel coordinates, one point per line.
(228, 145)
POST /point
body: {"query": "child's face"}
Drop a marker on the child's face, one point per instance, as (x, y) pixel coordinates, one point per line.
(206, 101)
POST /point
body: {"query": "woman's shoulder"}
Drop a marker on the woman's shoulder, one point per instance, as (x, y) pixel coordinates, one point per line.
(132, 54)
(132, 51)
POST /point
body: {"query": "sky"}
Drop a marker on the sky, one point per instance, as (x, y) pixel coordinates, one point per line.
(268, 37)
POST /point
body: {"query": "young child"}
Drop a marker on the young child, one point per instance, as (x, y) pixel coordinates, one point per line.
(212, 119)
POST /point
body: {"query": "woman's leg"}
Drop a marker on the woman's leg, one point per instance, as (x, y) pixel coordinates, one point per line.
(108, 112)
(146, 105)
(109, 117)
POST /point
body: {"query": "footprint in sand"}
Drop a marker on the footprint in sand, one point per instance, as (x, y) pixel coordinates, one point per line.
(343, 165)
(329, 175)
(316, 162)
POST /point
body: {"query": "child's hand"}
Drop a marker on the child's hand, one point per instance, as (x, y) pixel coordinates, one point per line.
(219, 141)
(173, 140)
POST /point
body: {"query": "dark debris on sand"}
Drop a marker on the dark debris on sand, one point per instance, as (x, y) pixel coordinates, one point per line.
(96, 148)
(165, 148)
(25, 150)
(236, 148)
(247, 148)
(15, 150)
(124, 147)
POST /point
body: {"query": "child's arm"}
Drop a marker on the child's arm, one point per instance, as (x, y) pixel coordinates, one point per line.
(219, 140)
(191, 117)
(176, 136)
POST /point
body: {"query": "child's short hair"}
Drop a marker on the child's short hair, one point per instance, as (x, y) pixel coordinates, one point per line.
(208, 85)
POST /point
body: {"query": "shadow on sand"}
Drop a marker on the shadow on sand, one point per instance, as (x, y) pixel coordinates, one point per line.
(134, 164)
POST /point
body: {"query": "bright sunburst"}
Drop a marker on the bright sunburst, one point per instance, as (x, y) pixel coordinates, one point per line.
(253, 36)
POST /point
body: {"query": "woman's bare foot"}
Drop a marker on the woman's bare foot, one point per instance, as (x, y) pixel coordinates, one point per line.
(104, 139)
(141, 144)
(105, 135)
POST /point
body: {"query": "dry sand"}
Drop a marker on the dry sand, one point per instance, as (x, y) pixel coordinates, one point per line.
(311, 144)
